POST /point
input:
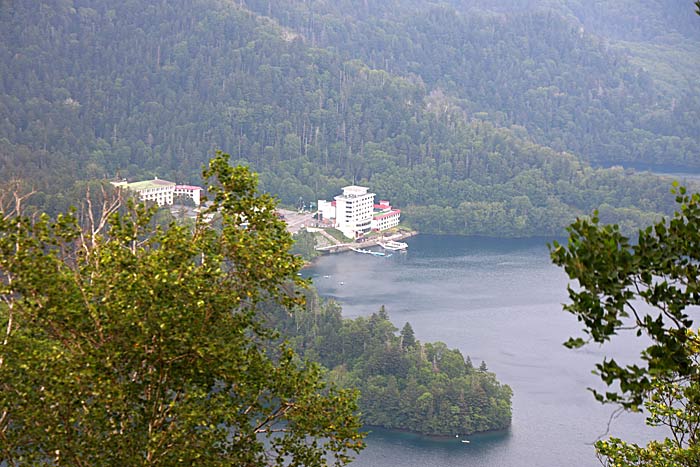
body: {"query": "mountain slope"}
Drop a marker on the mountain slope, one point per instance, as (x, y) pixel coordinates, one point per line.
(92, 88)
(540, 69)
(628, 20)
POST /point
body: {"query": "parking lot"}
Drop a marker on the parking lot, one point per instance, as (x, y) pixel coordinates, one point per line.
(295, 220)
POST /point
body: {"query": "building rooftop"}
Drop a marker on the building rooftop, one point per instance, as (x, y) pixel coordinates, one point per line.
(382, 215)
(354, 190)
(149, 184)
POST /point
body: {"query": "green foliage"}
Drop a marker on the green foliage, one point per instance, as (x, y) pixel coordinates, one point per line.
(532, 64)
(408, 338)
(648, 288)
(404, 384)
(447, 114)
(305, 245)
(125, 343)
(338, 235)
(672, 404)
(650, 21)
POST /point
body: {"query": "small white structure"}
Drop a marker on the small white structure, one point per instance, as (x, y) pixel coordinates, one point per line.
(327, 210)
(353, 211)
(161, 191)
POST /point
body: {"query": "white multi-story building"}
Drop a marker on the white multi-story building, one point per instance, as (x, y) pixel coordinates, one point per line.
(161, 191)
(353, 211)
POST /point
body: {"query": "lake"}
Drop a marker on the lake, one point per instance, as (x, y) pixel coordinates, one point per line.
(498, 301)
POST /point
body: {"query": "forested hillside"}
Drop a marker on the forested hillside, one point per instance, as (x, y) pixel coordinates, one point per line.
(527, 65)
(471, 123)
(631, 20)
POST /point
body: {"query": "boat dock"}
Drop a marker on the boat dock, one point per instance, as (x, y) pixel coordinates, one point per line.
(369, 252)
(393, 245)
(363, 247)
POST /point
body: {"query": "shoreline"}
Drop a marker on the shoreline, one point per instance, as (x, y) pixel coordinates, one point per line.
(434, 437)
(370, 242)
(343, 247)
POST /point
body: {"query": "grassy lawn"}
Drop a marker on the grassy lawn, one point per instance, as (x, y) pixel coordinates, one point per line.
(338, 235)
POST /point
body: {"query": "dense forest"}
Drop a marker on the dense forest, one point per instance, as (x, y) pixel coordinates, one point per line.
(571, 91)
(471, 121)
(404, 384)
(631, 20)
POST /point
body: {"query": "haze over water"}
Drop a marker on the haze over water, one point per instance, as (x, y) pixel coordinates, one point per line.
(498, 301)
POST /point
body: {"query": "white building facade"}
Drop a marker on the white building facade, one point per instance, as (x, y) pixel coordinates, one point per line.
(386, 220)
(385, 217)
(189, 191)
(354, 211)
(162, 192)
(326, 209)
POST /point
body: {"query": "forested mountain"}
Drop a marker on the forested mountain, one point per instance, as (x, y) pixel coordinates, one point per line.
(471, 122)
(631, 20)
(530, 66)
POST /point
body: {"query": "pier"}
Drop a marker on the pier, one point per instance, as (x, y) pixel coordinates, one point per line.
(338, 247)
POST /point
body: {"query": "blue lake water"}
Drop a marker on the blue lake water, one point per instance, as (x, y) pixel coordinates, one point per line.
(498, 301)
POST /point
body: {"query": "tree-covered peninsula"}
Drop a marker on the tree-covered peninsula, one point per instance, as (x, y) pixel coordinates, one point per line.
(404, 384)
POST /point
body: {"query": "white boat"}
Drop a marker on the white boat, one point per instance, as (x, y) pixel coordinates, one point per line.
(466, 441)
(393, 246)
(368, 252)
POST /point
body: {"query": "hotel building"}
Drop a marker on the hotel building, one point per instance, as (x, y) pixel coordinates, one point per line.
(354, 212)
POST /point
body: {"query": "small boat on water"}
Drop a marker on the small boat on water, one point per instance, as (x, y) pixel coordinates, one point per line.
(465, 441)
(393, 246)
(368, 252)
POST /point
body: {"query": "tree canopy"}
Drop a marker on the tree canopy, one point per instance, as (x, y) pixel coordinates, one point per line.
(125, 343)
(471, 122)
(651, 288)
(404, 384)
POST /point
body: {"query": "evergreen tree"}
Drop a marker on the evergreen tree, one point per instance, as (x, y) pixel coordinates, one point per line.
(408, 338)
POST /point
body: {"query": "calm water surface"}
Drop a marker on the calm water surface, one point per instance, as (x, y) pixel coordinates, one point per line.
(497, 301)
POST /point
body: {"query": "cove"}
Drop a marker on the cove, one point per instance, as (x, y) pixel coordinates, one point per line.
(497, 300)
